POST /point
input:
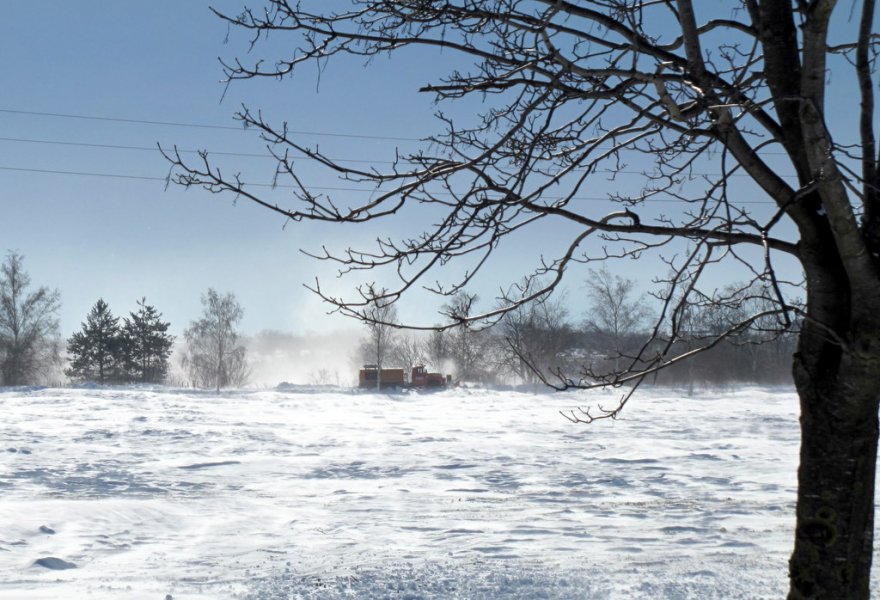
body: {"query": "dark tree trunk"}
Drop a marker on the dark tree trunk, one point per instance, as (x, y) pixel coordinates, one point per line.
(835, 511)
(837, 378)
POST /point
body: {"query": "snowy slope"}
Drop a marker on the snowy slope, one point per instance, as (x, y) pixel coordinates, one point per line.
(460, 494)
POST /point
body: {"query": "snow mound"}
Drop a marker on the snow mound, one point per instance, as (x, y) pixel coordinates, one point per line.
(54, 563)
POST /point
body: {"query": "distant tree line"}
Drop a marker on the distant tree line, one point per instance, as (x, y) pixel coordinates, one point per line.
(107, 349)
(542, 341)
(138, 348)
(534, 341)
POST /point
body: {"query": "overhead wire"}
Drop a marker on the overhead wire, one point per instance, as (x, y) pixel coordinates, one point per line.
(269, 156)
(199, 125)
(311, 187)
(129, 147)
(241, 128)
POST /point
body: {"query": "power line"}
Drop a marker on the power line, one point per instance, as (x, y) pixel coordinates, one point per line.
(156, 149)
(120, 147)
(200, 125)
(297, 156)
(223, 127)
(150, 178)
(82, 173)
(321, 188)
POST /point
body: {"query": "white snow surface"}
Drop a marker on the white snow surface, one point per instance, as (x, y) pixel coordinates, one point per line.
(466, 493)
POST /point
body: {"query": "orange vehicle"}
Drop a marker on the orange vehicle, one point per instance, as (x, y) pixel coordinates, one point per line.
(420, 378)
(386, 378)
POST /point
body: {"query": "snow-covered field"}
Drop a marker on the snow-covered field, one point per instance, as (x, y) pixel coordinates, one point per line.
(331, 494)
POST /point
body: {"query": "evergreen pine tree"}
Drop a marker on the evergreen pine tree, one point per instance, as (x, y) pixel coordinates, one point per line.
(146, 344)
(96, 350)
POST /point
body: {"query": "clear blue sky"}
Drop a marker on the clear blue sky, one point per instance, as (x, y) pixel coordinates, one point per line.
(121, 238)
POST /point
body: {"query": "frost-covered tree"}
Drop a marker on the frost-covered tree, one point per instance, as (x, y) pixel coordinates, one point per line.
(215, 356)
(28, 325)
(97, 350)
(147, 344)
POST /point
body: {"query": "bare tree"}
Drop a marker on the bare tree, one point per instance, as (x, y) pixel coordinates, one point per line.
(380, 319)
(691, 95)
(760, 352)
(533, 338)
(407, 352)
(29, 336)
(436, 348)
(214, 356)
(465, 349)
(614, 313)
(753, 351)
(324, 376)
